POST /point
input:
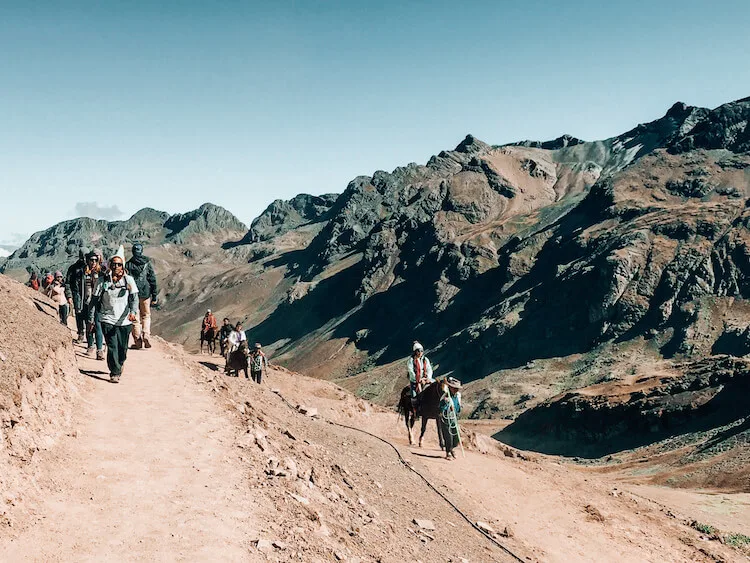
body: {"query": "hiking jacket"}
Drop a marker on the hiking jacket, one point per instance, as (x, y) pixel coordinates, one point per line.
(426, 371)
(236, 337)
(225, 332)
(142, 271)
(258, 362)
(60, 293)
(75, 280)
(114, 300)
(208, 322)
(449, 401)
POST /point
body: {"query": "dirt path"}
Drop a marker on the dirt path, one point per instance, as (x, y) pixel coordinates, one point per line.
(149, 475)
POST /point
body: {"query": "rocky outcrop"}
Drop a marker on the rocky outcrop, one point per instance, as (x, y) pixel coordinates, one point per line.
(559, 143)
(284, 215)
(208, 220)
(604, 419)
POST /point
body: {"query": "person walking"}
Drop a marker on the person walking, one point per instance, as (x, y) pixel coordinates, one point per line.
(33, 282)
(141, 269)
(258, 363)
(450, 407)
(93, 329)
(116, 300)
(60, 294)
(419, 369)
(74, 279)
(224, 332)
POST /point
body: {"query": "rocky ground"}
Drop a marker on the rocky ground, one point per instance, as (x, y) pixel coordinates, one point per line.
(180, 462)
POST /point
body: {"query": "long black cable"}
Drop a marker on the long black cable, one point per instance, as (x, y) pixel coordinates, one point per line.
(427, 482)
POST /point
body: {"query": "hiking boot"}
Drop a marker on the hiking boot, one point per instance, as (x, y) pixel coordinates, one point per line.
(114, 378)
(146, 342)
(90, 351)
(137, 344)
(100, 354)
(81, 338)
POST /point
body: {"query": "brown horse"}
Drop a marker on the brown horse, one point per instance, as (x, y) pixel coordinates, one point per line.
(426, 405)
(237, 360)
(209, 337)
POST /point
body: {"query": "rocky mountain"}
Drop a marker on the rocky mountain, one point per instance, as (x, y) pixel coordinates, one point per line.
(283, 216)
(57, 247)
(528, 270)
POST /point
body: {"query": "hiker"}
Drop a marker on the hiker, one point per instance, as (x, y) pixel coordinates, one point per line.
(419, 369)
(208, 330)
(236, 337)
(33, 282)
(224, 332)
(47, 280)
(115, 299)
(93, 329)
(74, 279)
(258, 363)
(450, 407)
(142, 270)
(60, 294)
(237, 354)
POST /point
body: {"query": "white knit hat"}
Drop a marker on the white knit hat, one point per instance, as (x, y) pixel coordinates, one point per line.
(119, 254)
(417, 346)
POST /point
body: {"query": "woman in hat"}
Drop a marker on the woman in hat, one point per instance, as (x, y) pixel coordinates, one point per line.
(60, 294)
(450, 407)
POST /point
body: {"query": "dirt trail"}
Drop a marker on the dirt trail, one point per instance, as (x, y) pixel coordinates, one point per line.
(148, 475)
(173, 464)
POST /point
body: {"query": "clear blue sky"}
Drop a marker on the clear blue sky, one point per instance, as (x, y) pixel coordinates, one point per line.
(170, 104)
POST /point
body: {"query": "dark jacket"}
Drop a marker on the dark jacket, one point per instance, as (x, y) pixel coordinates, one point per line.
(75, 280)
(142, 270)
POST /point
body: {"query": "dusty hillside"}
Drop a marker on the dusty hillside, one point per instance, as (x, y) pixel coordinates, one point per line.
(39, 383)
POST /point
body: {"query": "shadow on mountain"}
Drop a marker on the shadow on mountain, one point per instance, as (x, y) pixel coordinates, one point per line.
(563, 428)
(331, 299)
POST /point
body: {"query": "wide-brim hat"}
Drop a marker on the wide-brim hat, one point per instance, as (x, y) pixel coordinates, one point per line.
(453, 382)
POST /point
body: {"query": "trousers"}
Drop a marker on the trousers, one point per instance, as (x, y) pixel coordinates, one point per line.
(142, 325)
(117, 346)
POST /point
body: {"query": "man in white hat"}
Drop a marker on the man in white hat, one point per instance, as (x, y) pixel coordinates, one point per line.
(116, 299)
(419, 369)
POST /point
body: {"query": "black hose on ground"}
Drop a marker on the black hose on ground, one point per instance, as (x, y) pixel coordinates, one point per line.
(427, 482)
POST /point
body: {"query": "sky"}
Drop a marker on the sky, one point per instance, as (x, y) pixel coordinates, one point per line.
(109, 107)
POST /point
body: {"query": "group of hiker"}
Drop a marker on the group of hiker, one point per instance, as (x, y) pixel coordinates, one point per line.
(234, 347)
(419, 370)
(109, 300)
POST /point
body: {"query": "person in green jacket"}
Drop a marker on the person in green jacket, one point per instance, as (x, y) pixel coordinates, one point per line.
(450, 407)
(142, 271)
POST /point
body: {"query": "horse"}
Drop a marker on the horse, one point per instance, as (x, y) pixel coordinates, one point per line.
(426, 406)
(237, 360)
(209, 337)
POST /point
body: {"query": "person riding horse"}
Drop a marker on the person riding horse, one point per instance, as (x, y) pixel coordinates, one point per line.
(208, 331)
(419, 369)
(237, 356)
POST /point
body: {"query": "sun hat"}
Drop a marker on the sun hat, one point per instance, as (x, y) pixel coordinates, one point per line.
(417, 346)
(453, 382)
(257, 346)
